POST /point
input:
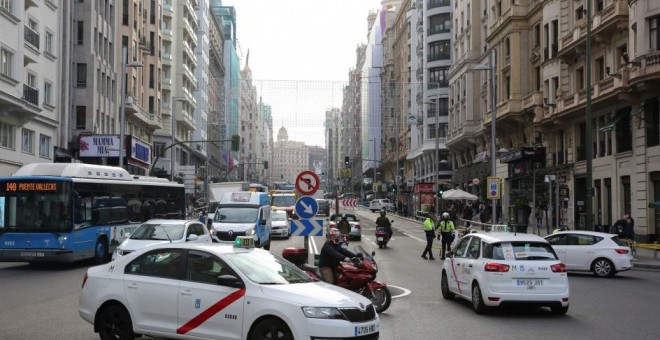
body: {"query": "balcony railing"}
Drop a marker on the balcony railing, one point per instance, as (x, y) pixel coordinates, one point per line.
(30, 94)
(31, 37)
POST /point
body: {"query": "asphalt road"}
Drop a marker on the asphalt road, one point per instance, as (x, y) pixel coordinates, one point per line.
(42, 303)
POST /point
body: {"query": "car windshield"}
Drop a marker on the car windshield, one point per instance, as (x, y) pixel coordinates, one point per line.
(521, 251)
(267, 268)
(236, 215)
(160, 232)
(284, 201)
(278, 216)
(349, 218)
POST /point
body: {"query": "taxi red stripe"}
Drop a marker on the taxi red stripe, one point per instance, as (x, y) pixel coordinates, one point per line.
(455, 277)
(211, 311)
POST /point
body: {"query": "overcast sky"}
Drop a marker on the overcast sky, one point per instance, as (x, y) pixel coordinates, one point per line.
(300, 53)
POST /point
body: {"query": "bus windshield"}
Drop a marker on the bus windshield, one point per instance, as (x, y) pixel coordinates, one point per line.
(35, 206)
(236, 215)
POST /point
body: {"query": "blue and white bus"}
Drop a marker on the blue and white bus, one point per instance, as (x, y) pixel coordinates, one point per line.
(65, 212)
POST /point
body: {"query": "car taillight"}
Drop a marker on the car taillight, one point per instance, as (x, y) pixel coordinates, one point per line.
(357, 226)
(558, 268)
(84, 281)
(496, 267)
(621, 251)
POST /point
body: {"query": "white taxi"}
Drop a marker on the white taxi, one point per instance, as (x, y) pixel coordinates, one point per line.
(494, 269)
(218, 291)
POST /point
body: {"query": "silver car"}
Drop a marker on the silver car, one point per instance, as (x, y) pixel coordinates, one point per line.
(280, 224)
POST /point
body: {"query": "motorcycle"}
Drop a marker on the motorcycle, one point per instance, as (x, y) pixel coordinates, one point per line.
(358, 275)
(382, 237)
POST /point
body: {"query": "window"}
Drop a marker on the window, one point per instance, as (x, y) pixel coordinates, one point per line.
(439, 50)
(7, 5)
(205, 268)
(27, 145)
(623, 130)
(507, 87)
(79, 32)
(462, 246)
(579, 79)
(7, 135)
(44, 146)
(654, 36)
(440, 23)
(48, 43)
(626, 193)
(151, 104)
(31, 80)
(81, 117)
(151, 76)
(600, 4)
(443, 109)
(81, 75)
(537, 35)
(579, 13)
(163, 263)
(6, 63)
(124, 12)
(652, 121)
(48, 93)
(600, 69)
(474, 249)
(438, 77)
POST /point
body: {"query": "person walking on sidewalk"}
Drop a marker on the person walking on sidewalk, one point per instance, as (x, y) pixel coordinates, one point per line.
(446, 227)
(430, 235)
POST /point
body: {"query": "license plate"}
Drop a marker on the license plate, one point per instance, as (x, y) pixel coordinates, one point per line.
(529, 283)
(31, 254)
(379, 238)
(366, 329)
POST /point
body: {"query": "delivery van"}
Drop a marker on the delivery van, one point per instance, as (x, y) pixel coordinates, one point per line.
(244, 213)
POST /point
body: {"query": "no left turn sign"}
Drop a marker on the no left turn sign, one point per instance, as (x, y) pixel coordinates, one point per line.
(307, 182)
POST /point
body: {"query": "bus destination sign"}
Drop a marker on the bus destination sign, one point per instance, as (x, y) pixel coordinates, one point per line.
(31, 186)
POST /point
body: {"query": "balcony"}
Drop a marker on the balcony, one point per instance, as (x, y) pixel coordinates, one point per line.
(30, 95)
(612, 18)
(166, 84)
(155, 121)
(167, 34)
(167, 10)
(648, 69)
(31, 37)
(184, 119)
(134, 109)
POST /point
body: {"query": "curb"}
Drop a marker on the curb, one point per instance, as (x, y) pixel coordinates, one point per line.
(646, 266)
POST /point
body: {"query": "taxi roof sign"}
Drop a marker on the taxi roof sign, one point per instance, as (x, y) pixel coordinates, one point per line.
(244, 242)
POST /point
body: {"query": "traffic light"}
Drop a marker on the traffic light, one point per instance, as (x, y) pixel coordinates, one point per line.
(440, 191)
(235, 142)
(265, 164)
(346, 160)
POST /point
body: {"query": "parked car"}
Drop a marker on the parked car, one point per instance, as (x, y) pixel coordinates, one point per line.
(163, 231)
(356, 229)
(600, 253)
(281, 226)
(213, 291)
(380, 204)
(324, 206)
(494, 269)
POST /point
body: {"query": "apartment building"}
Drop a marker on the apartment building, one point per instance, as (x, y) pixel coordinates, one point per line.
(30, 82)
(216, 99)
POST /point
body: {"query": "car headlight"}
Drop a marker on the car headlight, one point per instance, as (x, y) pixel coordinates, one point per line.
(250, 232)
(322, 313)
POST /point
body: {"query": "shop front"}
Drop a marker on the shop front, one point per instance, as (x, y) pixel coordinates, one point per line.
(423, 199)
(526, 169)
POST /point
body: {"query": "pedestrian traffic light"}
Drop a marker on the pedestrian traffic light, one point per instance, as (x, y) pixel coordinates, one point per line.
(235, 142)
(265, 164)
(346, 160)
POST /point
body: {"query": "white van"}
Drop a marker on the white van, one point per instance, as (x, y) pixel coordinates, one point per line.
(380, 204)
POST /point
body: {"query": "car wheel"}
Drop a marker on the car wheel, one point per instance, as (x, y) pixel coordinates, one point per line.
(477, 300)
(603, 267)
(114, 322)
(559, 309)
(444, 286)
(267, 245)
(101, 251)
(271, 328)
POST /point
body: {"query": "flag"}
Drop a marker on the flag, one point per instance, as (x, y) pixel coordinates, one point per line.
(229, 159)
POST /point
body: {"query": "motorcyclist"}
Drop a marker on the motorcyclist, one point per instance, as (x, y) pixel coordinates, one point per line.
(331, 255)
(382, 221)
(343, 225)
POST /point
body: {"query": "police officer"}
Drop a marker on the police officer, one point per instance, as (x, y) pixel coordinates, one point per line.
(331, 255)
(446, 227)
(430, 235)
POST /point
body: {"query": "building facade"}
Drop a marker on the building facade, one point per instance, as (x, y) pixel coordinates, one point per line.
(289, 158)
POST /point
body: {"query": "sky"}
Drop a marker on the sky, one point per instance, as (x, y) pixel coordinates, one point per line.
(300, 53)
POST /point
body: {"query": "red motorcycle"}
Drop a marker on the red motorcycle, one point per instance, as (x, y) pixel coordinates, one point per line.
(359, 275)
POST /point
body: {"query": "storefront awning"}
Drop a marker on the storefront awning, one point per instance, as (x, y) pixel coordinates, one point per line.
(655, 205)
(610, 125)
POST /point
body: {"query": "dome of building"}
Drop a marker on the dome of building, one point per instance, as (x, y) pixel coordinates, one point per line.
(282, 135)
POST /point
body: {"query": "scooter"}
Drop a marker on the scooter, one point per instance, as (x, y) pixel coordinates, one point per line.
(358, 275)
(382, 237)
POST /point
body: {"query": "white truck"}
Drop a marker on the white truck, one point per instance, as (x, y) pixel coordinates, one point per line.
(216, 190)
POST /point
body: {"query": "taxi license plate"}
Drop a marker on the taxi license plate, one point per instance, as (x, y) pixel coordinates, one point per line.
(529, 283)
(32, 254)
(366, 329)
(380, 238)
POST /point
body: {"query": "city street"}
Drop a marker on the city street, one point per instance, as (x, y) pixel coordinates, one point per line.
(42, 303)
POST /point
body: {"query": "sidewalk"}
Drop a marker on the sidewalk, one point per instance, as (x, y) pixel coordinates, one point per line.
(643, 258)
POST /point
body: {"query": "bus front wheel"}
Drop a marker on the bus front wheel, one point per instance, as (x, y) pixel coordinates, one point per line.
(101, 251)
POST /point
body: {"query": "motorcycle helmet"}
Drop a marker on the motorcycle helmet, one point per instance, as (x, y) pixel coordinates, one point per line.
(344, 217)
(383, 213)
(335, 235)
(445, 215)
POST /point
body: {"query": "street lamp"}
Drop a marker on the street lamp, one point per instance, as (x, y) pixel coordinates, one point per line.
(122, 109)
(373, 184)
(173, 140)
(493, 126)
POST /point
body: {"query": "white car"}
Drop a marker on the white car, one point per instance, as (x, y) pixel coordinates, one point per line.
(601, 253)
(494, 269)
(219, 291)
(162, 231)
(380, 204)
(280, 224)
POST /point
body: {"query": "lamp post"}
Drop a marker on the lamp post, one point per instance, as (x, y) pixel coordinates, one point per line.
(122, 109)
(173, 140)
(373, 184)
(493, 125)
(436, 157)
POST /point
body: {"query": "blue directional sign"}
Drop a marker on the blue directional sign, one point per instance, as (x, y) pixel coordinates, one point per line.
(306, 227)
(306, 207)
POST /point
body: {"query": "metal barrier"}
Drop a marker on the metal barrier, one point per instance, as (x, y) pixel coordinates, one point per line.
(484, 226)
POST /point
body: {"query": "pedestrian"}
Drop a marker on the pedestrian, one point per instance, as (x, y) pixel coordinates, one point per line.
(447, 229)
(430, 235)
(626, 227)
(539, 218)
(483, 215)
(202, 216)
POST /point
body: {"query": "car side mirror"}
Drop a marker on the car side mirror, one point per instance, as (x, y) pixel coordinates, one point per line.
(230, 281)
(449, 254)
(192, 237)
